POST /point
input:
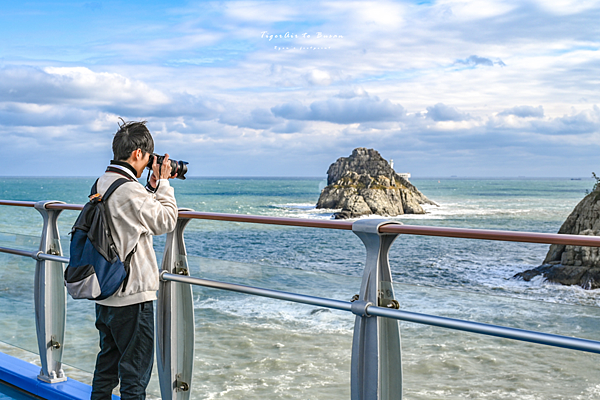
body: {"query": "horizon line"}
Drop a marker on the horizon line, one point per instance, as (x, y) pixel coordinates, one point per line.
(316, 177)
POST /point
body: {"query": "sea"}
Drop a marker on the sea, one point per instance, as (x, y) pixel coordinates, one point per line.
(249, 347)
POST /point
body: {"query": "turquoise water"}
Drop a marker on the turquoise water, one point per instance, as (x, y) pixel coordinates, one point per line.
(256, 348)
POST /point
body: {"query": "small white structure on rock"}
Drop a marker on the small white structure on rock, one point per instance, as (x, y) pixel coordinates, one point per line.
(405, 175)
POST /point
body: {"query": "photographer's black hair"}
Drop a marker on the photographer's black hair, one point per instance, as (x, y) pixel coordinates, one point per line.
(130, 137)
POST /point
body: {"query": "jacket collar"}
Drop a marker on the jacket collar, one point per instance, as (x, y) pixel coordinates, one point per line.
(123, 168)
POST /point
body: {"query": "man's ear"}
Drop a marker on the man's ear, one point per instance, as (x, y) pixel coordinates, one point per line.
(137, 155)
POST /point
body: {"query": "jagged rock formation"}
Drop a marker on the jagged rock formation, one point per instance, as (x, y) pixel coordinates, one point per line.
(365, 184)
(574, 265)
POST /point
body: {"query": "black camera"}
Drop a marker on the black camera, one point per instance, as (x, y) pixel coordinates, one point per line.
(177, 167)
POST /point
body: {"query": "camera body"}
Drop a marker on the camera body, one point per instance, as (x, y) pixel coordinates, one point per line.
(177, 167)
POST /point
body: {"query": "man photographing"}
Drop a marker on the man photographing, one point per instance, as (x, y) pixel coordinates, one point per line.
(125, 320)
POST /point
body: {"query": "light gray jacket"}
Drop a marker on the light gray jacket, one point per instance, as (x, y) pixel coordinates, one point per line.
(136, 215)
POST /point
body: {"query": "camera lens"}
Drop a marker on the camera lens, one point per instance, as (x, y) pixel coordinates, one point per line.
(182, 170)
(177, 167)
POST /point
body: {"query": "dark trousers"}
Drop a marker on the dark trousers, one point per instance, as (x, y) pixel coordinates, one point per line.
(126, 350)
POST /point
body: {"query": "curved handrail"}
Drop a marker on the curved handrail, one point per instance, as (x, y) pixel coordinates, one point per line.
(464, 233)
(17, 203)
(490, 234)
(261, 219)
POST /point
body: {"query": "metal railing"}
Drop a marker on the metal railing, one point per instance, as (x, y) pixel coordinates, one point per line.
(376, 366)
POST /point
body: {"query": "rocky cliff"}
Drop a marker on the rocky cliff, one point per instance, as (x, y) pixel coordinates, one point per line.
(365, 184)
(574, 265)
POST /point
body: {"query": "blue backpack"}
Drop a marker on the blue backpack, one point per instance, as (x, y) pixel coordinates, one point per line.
(95, 270)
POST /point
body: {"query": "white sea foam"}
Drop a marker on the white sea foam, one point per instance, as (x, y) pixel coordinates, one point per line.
(432, 212)
(458, 210)
(279, 314)
(296, 206)
(302, 210)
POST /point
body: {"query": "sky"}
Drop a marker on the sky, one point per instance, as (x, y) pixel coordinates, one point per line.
(478, 88)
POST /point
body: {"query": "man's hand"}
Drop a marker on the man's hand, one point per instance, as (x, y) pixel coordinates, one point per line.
(162, 171)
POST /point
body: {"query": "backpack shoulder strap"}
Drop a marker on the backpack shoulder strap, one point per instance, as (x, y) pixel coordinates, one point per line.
(104, 210)
(94, 188)
(114, 187)
(110, 189)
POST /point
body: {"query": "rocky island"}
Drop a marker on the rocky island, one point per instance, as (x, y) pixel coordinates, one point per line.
(364, 183)
(574, 265)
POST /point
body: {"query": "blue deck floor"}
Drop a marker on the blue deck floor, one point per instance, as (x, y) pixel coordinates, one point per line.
(8, 392)
(23, 375)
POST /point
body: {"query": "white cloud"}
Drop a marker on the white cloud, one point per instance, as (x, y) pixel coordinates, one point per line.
(25, 88)
(85, 83)
(442, 112)
(576, 123)
(380, 15)
(524, 111)
(342, 110)
(74, 85)
(475, 9)
(476, 60)
(261, 11)
(318, 78)
(151, 48)
(352, 92)
(259, 118)
(567, 7)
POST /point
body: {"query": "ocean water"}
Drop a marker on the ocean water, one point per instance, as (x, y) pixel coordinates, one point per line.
(253, 348)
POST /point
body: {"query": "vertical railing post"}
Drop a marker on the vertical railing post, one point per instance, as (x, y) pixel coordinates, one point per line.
(50, 299)
(175, 321)
(376, 371)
